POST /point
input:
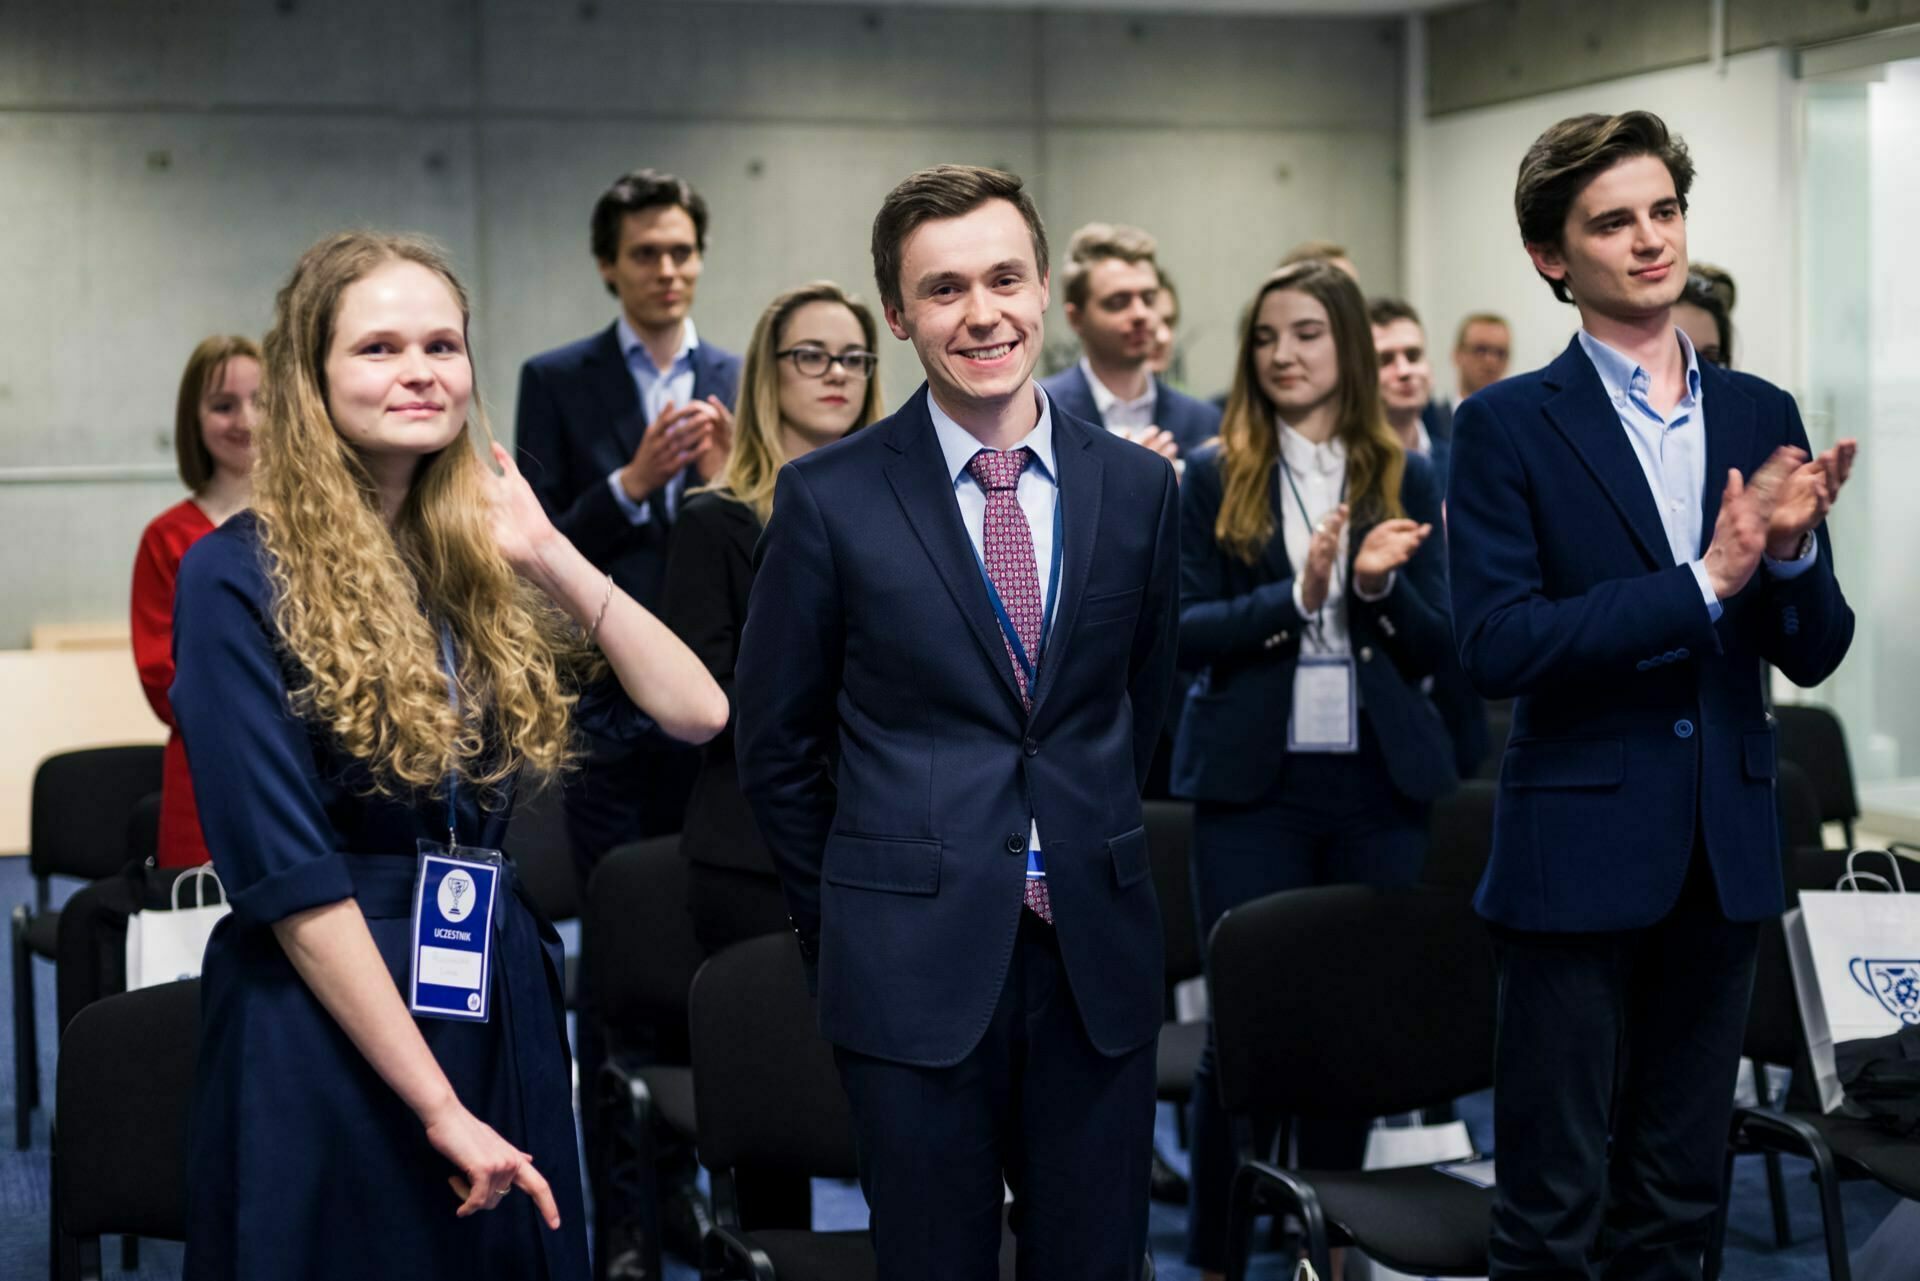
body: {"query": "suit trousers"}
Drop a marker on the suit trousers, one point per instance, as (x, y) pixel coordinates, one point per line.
(1069, 1129)
(1332, 819)
(1613, 1090)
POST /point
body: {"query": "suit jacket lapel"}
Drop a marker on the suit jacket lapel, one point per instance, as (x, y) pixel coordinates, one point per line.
(1729, 430)
(706, 374)
(1080, 477)
(1582, 412)
(1277, 559)
(613, 384)
(925, 491)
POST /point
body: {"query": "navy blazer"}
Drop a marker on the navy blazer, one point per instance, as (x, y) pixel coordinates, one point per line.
(1191, 423)
(870, 626)
(1635, 714)
(1239, 628)
(578, 419)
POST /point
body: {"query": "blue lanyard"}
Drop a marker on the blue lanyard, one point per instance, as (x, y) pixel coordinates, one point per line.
(453, 701)
(1007, 629)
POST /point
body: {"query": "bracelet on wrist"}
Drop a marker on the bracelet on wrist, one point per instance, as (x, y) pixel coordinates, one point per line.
(605, 600)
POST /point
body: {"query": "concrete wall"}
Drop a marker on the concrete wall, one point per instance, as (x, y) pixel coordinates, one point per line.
(161, 165)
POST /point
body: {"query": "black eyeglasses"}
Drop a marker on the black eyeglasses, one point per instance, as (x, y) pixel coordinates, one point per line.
(812, 362)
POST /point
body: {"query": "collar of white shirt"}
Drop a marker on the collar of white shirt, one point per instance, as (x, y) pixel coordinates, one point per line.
(1106, 402)
(629, 340)
(1623, 376)
(1309, 459)
(958, 445)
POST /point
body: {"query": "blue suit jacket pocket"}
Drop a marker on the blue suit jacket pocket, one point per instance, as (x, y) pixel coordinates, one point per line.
(1111, 608)
(899, 865)
(1129, 851)
(1573, 762)
(1758, 748)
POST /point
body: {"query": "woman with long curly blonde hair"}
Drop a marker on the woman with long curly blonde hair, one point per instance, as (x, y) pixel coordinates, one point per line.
(368, 661)
(1313, 605)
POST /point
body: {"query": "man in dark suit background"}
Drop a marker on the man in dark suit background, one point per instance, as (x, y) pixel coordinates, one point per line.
(1423, 424)
(1112, 283)
(610, 432)
(973, 600)
(1632, 532)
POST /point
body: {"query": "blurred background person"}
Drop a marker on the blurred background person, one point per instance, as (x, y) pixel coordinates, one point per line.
(1307, 558)
(1327, 251)
(1482, 349)
(1705, 315)
(213, 423)
(1166, 310)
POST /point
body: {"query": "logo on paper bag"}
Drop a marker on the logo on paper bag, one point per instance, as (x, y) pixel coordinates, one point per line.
(456, 895)
(1895, 984)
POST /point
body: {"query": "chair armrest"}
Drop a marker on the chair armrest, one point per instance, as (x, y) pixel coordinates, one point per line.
(723, 1248)
(1261, 1182)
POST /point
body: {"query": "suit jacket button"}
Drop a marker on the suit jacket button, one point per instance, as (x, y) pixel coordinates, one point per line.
(1683, 729)
(1017, 843)
(1680, 653)
(1366, 653)
(1642, 665)
(1030, 747)
(1281, 638)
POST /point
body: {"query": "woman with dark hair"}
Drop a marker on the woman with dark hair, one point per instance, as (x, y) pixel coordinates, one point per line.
(1705, 315)
(214, 416)
(1312, 603)
(369, 662)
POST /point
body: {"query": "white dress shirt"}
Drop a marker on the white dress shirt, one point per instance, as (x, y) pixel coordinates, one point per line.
(1037, 493)
(1121, 416)
(657, 389)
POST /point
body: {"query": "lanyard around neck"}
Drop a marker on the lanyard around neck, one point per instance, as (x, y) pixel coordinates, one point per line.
(1029, 666)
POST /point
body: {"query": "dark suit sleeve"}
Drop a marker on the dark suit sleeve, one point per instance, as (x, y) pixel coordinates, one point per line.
(786, 683)
(1514, 639)
(580, 504)
(1214, 623)
(1411, 620)
(1809, 625)
(1156, 637)
(706, 577)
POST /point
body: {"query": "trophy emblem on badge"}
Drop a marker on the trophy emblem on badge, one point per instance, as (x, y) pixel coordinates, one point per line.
(1895, 984)
(456, 891)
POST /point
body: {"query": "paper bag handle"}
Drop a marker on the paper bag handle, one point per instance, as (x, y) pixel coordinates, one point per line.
(199, 876)
(1851, 881)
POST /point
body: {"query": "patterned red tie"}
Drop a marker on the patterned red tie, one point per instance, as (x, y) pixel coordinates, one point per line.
(1008, 551)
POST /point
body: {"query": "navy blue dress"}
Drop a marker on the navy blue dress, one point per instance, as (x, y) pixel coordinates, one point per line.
(302, 1161)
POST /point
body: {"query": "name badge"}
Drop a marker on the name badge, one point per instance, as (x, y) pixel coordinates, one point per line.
(1326, 709)
(453, 898)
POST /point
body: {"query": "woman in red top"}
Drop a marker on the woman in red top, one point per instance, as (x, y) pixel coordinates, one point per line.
(213, 440)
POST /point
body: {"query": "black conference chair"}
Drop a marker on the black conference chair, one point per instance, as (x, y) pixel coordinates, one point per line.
(1839, 1147)
(637, 927)
(78, 827)
(91, 947)
(1398, 1016)
(120, 1136)
(1811, 737)
(1170, 851)
(1460, 837)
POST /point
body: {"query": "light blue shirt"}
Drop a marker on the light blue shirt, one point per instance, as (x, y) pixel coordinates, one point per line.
(1672, 450)
(657, 390)
(1037, 493)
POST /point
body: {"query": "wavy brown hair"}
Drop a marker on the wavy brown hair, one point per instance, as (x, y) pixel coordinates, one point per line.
(1249, 429)
(758, 454)
(358, 605)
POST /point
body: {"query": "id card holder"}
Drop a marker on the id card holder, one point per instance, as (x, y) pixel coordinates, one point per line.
(1326, 706)
(454, 889)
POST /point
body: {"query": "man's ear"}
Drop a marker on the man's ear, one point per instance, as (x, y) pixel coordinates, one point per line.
(1548, 260)
(1073, 317)
(896, 320)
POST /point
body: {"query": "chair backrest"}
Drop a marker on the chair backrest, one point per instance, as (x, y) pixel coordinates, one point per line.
(81, 803)
(542, 854)
(143, 829)
(125, 1083)
(640, 935)
(1351, 1001)
(1811, 737)
(1460, 836)
(765, 1088)
(1170, 853)
(1797, 803)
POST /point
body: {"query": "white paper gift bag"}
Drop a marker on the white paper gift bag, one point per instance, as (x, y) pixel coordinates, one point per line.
(163, 946)
(1856, 968)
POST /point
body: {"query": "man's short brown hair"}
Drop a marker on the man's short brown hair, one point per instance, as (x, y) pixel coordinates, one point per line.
(944, 191)
(1315, 251)
(1479, 318)
(1564, 159)
(1383, 311)
(1096, 242)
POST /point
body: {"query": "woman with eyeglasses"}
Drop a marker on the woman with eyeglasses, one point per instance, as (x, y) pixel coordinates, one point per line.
(808, 380)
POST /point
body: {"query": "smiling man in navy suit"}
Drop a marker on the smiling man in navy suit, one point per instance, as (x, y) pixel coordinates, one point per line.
(1633, 532)
(1112, 284)
(952, 675)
